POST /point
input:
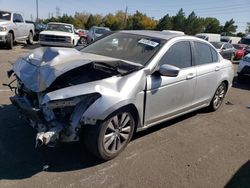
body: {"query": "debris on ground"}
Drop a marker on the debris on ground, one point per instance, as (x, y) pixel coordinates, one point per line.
(45, 167)
(229, 103)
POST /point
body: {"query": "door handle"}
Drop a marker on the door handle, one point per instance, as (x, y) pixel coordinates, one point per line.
(190, 76)
(217, 68)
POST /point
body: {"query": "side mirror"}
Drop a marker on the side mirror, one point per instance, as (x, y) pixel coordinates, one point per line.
(169, 70)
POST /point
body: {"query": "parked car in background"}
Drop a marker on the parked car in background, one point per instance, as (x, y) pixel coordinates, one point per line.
(123, 83)
(13, 28)
(230, 39)
(225, 49)
(95, 32)
(245, 40)
(83, 34)
(59, 34)
(210, 37)
(240, 50)
(244, 68)
(39, 27)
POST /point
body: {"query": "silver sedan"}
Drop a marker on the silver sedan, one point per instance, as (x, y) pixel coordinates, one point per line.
(120, 84)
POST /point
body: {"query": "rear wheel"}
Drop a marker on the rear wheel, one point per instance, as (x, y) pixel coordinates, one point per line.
(83, 41)
(30, 39)
(218, 97)
(9, 41)
(107, 139)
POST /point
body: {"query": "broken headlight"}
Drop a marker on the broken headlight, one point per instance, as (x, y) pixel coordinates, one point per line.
(64, 108)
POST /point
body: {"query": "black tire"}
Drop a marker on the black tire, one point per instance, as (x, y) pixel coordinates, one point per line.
(82, 41)
(9, 41)
(218, 97)
(107, 139)
(30, 39)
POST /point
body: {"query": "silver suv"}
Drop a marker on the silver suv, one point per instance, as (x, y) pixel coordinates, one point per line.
(120, 84)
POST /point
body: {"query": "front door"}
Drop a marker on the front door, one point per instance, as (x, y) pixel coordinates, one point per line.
(169, 96)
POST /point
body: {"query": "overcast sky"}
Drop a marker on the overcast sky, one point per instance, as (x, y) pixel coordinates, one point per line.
(223, 10)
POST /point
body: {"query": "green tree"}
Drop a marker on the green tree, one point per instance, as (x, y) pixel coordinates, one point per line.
(81, 19)
(179, 21)
(94, 20)
(141, 21)
(248, 27)
(193, 24)
(165, 23)
(211, 25)
(115, 22)
(229, 28)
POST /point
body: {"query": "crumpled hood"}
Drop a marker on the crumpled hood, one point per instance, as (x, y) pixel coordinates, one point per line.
(39, 69)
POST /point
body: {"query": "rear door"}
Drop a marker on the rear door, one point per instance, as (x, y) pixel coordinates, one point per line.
(208, 72)
(169, 96)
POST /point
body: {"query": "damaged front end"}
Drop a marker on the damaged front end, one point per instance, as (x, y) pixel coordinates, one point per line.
(59, 90)
(58, 120)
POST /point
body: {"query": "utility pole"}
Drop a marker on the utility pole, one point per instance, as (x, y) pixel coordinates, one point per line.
(125, 16)
(36, 10)
(58, 12)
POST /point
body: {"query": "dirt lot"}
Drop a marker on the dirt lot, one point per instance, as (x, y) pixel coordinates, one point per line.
(200, 149)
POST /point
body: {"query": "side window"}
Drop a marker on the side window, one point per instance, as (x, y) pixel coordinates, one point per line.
(203, 53)
(15, 17)
(20, 18)
(179, 55)
(214, 55)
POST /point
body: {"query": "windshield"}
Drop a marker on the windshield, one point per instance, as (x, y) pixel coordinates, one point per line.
(101, 31)
(129, 47)
(59, 27)
(224, 40)
(245, 41)
(5, 15)
(217, 45)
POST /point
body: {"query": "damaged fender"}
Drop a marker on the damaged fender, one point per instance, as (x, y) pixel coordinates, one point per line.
(115, 92)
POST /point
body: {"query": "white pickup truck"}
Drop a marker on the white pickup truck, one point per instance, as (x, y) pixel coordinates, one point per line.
(13, 28)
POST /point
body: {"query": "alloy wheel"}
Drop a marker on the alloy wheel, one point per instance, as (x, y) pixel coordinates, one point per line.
(117, 133)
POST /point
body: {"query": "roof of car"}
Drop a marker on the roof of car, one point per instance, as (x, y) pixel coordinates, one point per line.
(156, 34)
(60, 23)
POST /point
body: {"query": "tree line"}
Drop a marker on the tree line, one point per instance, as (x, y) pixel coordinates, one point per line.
(190, 24)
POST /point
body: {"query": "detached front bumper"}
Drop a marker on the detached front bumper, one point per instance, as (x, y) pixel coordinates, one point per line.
(47, 134)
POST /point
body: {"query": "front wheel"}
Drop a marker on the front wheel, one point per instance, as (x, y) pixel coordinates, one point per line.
(30, 39)
(9, 41)
(218, 97)
(107, 139)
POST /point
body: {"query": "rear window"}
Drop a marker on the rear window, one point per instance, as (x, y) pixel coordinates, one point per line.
(179, 55)
(203, 53)
(245, 41)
